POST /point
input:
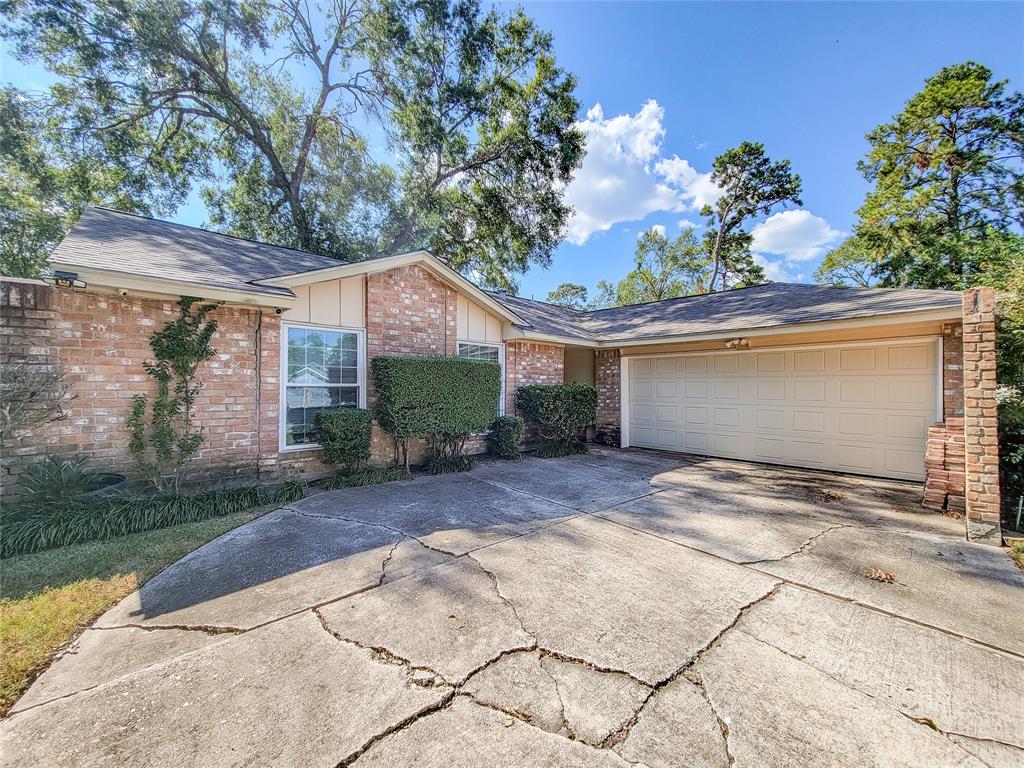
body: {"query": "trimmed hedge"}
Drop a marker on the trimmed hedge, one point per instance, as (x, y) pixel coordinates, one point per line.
(507, 437)
(34, 527)
(345, 436)
(443, 399)
(560, 412)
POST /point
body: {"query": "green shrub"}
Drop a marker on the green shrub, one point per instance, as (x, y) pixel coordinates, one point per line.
(345, 436)
(30, 527)
(52, 479)
(444, 399)
(507, 437)
(560, 412)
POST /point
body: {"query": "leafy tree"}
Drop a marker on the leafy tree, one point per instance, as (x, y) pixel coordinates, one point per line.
(663, 269)
(752, 185)
(947, 174)
(483, 120)
(571, 295)
(46, 181)
(850, 263)
(271, 103)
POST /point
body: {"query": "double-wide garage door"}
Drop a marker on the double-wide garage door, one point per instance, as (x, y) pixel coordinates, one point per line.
(862, 409)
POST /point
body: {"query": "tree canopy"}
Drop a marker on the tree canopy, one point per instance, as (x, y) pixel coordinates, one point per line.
(752, 185)
(345, 127)
(948, 181)
(571, 295)
(664, 268)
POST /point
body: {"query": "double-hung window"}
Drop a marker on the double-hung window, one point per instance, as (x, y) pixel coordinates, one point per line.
(495, 352)
(322, 369)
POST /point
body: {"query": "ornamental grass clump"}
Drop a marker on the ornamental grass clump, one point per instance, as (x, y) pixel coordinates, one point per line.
(561, 412)
(441, 399)
(30, 527)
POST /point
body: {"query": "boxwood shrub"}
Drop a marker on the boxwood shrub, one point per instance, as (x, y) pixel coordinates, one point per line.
(345, 436)
(560, 412)
(507, 437)
(442, 399)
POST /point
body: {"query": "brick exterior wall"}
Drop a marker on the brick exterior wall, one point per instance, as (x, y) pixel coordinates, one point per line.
(102, 341)
(409, 311)
(607, 378)
(952, 370)
(981, 426)
(528, 362)
(944, 467)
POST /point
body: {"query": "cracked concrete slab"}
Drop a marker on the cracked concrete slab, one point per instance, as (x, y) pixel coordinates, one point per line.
(781, 711)
(741, 530)
(620, 599)
(101, 655)
(452, 513)
(582, 483)
(466, 735)
(929, 570)
(560, 696)
(961, 687)
(676, 722)
(553, 630)
(449, 619)
(272, 567)
(285, 695)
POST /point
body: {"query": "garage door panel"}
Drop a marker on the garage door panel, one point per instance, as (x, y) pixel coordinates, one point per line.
(863, 409)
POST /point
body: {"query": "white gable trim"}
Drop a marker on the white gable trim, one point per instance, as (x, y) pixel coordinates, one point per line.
(373, 266)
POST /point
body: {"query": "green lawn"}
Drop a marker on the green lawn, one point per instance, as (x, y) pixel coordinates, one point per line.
(1017, 552)
(47, 598)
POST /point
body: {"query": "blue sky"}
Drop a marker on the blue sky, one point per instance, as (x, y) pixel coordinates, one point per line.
(678, 83)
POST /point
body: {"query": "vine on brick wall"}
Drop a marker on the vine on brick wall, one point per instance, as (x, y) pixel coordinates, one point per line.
(163, 444)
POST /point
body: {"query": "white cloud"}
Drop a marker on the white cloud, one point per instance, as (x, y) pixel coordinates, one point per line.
(696, 188)
(795, 235)
(616, 183)
(687, 224)
(659, 228)
(777, 271)
(624, 176)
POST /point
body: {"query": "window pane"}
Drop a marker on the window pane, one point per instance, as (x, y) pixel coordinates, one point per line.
(478, 352)
(302, 404)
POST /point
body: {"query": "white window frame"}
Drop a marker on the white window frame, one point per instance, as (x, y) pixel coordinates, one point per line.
(500, 346)
(282, 409)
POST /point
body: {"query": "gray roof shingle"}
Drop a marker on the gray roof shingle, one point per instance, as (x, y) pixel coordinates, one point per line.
(762, 306)
(145, 247)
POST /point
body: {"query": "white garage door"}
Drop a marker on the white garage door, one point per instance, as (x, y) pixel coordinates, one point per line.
(859, 409)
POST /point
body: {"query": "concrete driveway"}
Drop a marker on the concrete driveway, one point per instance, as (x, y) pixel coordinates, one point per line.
(621, 608)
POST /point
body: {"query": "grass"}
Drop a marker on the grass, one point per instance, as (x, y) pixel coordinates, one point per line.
(1017, 552)
(47, 598)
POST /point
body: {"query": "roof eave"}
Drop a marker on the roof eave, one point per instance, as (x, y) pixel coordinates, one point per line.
(894, 318)
(176, 288)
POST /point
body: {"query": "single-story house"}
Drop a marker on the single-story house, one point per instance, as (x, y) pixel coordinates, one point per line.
(894, 383)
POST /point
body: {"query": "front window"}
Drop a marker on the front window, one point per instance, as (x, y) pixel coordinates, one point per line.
(494, 352)
(322, 370)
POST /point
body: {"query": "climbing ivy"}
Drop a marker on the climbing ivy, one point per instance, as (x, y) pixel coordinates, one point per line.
(163, 444)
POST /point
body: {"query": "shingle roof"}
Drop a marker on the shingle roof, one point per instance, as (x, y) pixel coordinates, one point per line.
(762, 306)
(145, 247)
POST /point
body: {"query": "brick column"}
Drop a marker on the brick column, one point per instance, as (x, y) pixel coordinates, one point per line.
(981, 426)
(607, 379)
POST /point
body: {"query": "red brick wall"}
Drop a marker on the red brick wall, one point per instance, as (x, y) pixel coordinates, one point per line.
(607, 378)
(944, 466)
(409, 311)
(981, 427)
(527, 362)
(102, 341)
(952, 370)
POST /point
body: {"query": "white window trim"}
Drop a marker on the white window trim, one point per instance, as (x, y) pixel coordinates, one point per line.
(500, 345)
(282, 409)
